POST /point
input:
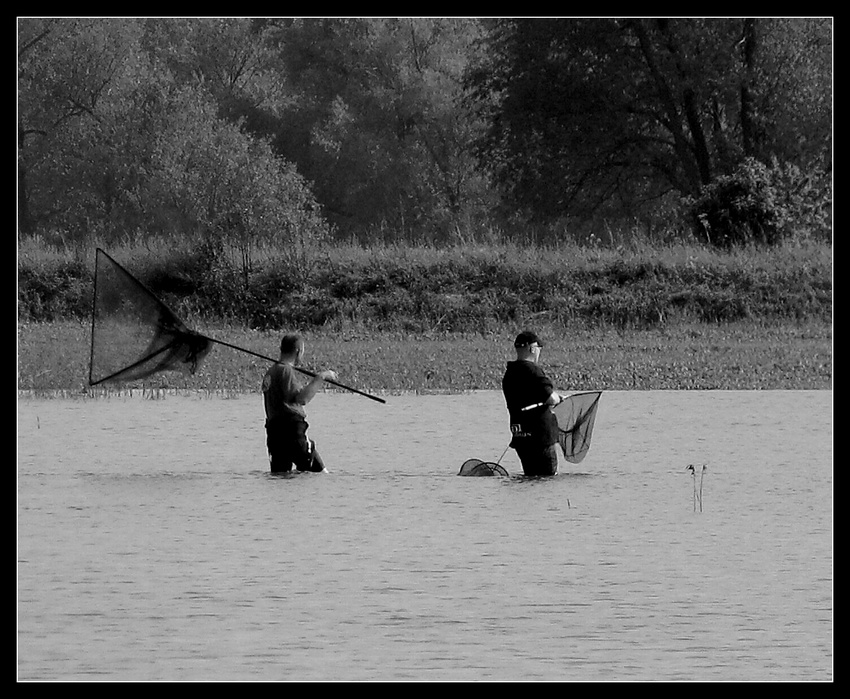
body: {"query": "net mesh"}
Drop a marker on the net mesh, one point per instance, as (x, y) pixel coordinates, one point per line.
(477, 467)
(576, 418)
(134, 334)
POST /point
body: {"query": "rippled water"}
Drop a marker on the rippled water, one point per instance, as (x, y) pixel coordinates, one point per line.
(154, 545)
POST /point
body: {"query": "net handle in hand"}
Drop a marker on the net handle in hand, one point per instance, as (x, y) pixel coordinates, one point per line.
(298, 368)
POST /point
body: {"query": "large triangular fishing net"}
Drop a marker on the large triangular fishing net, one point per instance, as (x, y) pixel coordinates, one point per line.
(576, 417)
(134, 334)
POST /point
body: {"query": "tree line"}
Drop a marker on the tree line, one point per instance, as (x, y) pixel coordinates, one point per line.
(281, 130)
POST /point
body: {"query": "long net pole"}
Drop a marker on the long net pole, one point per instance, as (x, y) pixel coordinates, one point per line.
(297, 368)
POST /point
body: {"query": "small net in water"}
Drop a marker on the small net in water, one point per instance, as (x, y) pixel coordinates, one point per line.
(477, 467)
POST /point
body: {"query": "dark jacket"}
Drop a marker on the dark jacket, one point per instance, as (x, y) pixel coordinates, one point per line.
(525, 384)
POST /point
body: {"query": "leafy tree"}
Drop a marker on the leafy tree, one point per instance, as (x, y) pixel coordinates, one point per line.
(113, 144)
(247, 130)
(225, 188)
(789, 81)
(375, 121)
(593, 117)
(70, 78)
(230, 58)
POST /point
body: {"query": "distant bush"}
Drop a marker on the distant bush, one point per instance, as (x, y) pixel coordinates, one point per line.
(764, 205)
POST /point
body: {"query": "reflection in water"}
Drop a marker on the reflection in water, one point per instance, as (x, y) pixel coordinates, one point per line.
(154, 544)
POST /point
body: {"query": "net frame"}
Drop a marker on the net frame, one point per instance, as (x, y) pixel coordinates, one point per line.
(127, 315)
(477, 467)
(576, 417)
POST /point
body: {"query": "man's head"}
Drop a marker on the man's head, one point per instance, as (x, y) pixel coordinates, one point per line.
(291, 347)
(527, 345)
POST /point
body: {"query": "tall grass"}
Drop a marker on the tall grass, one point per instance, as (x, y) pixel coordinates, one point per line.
(444, 289)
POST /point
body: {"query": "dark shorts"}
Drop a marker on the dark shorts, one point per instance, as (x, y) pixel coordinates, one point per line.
(291, 447)
(538, 460)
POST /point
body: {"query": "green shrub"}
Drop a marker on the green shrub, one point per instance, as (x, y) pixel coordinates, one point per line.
(48, 292)
(762, 204)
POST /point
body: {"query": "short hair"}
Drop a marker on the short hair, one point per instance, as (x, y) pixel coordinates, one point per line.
(290, 344)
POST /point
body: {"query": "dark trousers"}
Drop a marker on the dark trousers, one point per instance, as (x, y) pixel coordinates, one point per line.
(538, 460)
(301, 459)
(289, 446)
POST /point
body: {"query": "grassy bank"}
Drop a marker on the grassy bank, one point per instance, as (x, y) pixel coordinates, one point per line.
(734, 356)
(425, 319)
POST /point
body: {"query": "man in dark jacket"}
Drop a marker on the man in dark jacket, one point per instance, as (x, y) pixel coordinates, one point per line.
(529, 395)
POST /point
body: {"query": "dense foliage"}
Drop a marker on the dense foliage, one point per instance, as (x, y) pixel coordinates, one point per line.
(616, 118)
(238, 133)
(460, 289)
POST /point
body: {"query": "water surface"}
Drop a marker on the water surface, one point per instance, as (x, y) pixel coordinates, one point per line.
(154, 545)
